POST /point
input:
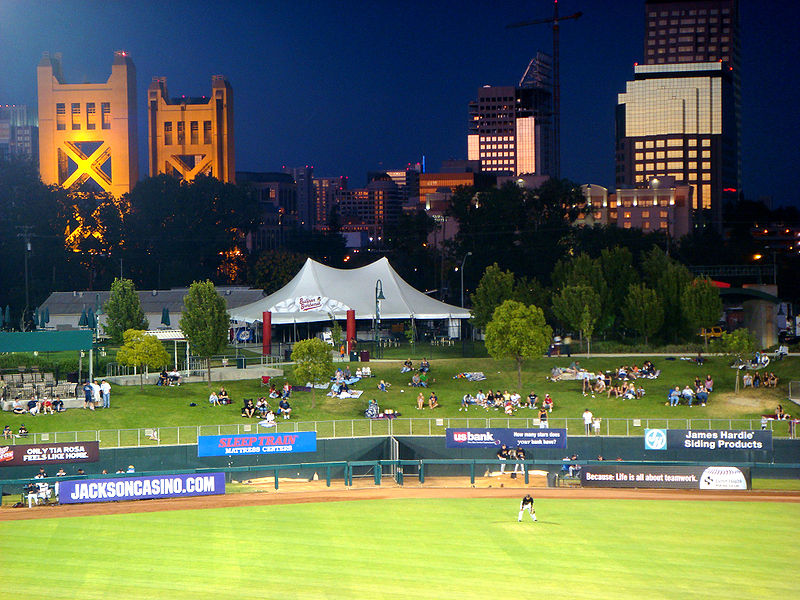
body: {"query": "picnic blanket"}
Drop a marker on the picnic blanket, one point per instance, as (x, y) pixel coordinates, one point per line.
(471, 376)
(343, 395)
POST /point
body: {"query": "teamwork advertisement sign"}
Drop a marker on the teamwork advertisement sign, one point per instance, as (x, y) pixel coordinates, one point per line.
(491, 437)
(78, 491)
(48, 454)
(673, 477)
(707, 440)
(238, 445)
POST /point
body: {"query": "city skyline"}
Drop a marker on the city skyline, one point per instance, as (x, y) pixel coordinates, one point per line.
(351, 89)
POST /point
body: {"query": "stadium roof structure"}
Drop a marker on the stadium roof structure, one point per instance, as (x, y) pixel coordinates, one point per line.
(319, 293)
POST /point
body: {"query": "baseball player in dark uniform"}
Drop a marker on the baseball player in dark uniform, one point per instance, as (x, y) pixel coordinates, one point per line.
(502, 456)
(526, 504)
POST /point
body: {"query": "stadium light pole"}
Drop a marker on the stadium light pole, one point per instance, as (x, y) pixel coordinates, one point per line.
(378, 297)
(463, 262)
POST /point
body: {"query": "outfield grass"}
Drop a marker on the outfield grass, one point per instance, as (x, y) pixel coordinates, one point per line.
(154, 406)
(439, 549)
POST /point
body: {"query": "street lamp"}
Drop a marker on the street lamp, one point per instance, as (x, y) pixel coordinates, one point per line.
(462, 277)
(378, 297)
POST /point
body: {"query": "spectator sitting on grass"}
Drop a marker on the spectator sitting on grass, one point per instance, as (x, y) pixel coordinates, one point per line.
(7, 433)
(284, 408)
(33, 407)
(262, 406)
(424, 366)
(58, 404)
(416, 381)
(213, 399)
(547, 403)
(675, 396)
(23, 431)
(248, 408)
(466, 401)
(223, 396)
(771, 381)
(433, 401)
(18, 408)
(383, 386)
(407, 366)
(46, 406)
(688, 395)
(701, 394)
(420, 401)
(372, 411)
(543, 418)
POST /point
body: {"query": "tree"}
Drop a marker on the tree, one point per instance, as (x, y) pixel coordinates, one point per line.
(739, 345)
(619, 274)
(518, 332)
(571, 304)
(123, 310)
(313, 363)
(668, 278)
(274, 269)
(585, 271)
(205, 321)
(643, 310)
(701, 304)
(142, 350)
(495, 286)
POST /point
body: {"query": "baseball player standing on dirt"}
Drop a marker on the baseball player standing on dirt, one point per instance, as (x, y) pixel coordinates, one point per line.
(526, 504)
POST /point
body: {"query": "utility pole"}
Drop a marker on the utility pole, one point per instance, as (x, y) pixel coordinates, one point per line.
(25, 234)
(555, 19)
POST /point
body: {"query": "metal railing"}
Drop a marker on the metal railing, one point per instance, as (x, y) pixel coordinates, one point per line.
(354, 428)
(197, 365)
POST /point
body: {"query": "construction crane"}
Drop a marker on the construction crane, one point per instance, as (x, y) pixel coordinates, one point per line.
(555, 19)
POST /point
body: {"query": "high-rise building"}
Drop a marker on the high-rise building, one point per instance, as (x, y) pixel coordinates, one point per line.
(304, 182)
(325, 190)
(276, 194)
(87, 131)
(371, 209)
(511, 128)
(680, 116)
(19, 133)
(191, 136)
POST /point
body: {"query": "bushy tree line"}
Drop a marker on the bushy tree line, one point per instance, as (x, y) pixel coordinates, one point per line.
(609, 294)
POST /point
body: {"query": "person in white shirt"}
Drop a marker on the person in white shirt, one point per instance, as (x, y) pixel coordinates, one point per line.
(587, 421)
(105, 392)
(96, 399)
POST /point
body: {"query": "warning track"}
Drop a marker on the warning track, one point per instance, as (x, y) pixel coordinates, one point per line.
(266, 498)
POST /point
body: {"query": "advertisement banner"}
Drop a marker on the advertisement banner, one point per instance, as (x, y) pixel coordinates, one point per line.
(49, 454)
(674, 477)
(489, 438)
(78, 491)
(261, 443)
(708, 441)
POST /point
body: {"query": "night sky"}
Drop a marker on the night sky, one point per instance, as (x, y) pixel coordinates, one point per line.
(355, 86)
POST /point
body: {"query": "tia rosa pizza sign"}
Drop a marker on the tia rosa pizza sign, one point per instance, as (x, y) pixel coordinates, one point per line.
(48, 454)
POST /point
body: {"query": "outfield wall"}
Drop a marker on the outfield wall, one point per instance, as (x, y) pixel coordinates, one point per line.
(162, 458)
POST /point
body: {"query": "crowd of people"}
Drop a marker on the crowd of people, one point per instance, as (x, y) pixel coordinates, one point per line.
(756, 380)
(698, 393)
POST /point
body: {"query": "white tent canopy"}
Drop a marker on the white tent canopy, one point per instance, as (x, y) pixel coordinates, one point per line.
(317, 292)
